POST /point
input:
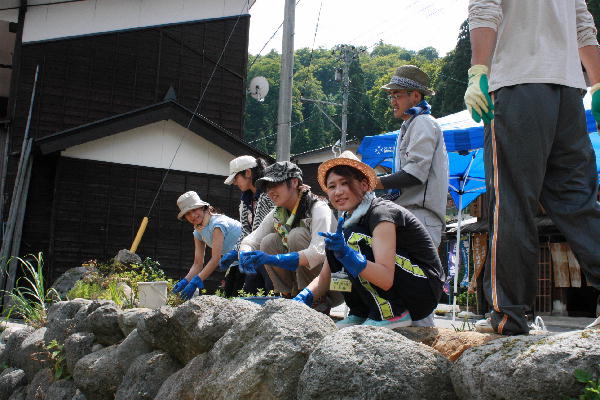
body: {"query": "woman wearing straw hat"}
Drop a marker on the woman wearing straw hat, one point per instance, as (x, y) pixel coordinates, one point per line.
(287, 240)
(244, 171)
(216, 231)
(381, 257)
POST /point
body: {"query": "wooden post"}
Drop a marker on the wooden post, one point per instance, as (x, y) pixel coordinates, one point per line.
(138, 236)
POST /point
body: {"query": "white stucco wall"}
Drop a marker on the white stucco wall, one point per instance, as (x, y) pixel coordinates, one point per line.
(94, 16)
(154, 146)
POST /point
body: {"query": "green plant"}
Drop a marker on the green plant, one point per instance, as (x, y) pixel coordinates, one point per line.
(85, 290)
(465, 326)
(116, 293)
(591, 391)
(57, 357)
(461, 299)
(29, 297)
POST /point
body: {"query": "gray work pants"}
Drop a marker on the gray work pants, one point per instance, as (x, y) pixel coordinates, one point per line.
(536, 150)
(292, 282)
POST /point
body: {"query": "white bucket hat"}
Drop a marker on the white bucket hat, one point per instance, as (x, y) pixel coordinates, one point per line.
(238, 165)
(189, 201)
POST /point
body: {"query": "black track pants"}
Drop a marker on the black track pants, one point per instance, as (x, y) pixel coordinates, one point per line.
(536, 149)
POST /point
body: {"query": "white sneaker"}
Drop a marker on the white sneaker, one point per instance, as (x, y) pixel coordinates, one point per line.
(595, 324)
(484, 326)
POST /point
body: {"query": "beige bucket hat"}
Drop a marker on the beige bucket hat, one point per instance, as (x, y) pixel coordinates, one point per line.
(189, 201)
(410, 77)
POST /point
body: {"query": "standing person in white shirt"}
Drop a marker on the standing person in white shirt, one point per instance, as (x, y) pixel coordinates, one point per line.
(421, 161)
(536, 145)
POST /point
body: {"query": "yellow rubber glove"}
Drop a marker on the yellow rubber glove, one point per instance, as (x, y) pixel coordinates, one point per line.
(596, 102)
(477, 97)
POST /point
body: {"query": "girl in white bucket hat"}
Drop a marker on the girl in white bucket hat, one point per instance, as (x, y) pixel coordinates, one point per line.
(216, 231)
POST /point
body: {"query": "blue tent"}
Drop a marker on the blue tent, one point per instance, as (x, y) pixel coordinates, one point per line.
(461, 133)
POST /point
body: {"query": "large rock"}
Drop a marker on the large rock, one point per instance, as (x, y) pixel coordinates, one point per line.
(127, 257)
(527, 367)
(61, 390)
(193, 328)
(130, 349)
(447, 341)
(19, 394)
(10, 380)
(33, 355)
(8, 328)
(78, 395)
(128, 319)
(103, 322)
(62, 321)
(364, 362)
(145, 376)
(181, 385)
(260, 357)
(98, 375)
(77, 346)
(38, 388)
(13, 345)
(81, 318)
(67, 281)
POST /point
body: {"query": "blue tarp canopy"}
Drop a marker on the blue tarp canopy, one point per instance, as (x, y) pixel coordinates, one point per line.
(462, 134)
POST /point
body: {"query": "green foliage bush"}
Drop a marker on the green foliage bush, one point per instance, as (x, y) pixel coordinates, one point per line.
(30, 298)
(591, 391)
(108, 280)
(461, 299)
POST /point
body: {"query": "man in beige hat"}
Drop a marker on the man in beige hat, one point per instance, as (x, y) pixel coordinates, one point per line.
(421, 162)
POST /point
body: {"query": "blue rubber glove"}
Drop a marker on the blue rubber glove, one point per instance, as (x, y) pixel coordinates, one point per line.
(180, 285)
(287, 261)
(189, 290)
(227, 259)
(335, 241)
(246, 266)
(477, 97)
(596, 102)
(352, 260)
(305, 296)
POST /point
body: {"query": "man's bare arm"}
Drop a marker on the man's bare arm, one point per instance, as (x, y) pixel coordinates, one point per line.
(483, 41)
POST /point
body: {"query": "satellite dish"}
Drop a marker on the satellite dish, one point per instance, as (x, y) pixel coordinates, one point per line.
(259, 87)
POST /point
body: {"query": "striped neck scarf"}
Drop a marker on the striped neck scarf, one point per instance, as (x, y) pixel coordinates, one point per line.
(422, 108)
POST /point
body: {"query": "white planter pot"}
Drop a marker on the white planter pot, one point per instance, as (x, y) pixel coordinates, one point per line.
(152, 294)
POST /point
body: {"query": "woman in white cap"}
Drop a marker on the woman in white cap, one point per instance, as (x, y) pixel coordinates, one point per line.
(382, 258)
(216, 231)
(244, 171)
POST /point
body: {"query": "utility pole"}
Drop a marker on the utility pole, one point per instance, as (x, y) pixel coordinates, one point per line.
(284, 111)
(347, 54)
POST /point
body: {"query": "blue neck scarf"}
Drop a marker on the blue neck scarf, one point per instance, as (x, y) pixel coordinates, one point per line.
(422, 108)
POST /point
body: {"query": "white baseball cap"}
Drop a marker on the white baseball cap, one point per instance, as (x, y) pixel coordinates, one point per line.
(239, 164)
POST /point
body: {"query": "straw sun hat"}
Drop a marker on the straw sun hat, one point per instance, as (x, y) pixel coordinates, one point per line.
(346, 158)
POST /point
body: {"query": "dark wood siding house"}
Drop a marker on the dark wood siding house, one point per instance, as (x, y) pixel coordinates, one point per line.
(126, 90)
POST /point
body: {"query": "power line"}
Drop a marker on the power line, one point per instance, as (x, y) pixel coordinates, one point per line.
(313, 45)
(245, 6)
(268, 41)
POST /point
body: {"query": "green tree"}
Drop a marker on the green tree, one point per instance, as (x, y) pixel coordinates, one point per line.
(451, 84)
(430, 53)
(594, 7)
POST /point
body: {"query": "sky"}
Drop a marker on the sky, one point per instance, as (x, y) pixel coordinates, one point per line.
(411, 24)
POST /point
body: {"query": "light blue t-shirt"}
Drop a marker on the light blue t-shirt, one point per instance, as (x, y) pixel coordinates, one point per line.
(231, 229)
